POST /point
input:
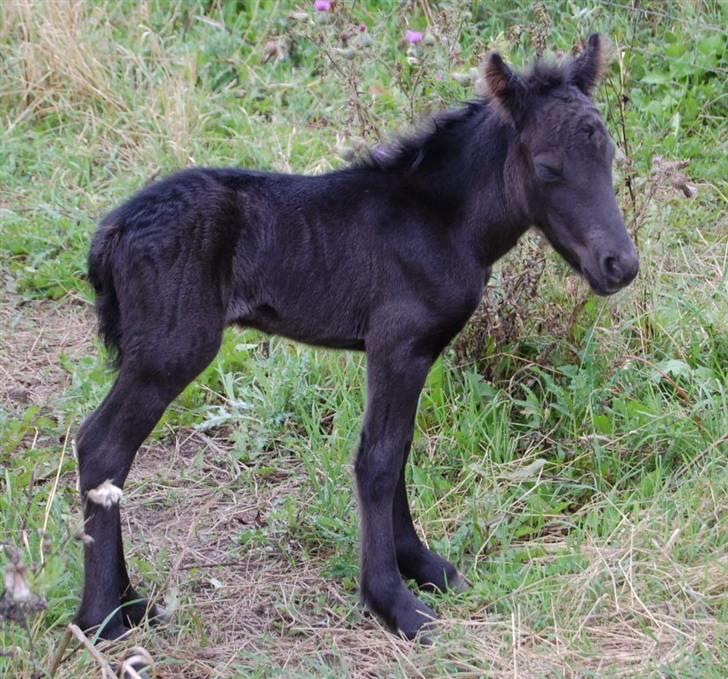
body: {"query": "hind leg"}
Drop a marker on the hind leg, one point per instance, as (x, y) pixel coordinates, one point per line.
(134, 608)
(106, 445)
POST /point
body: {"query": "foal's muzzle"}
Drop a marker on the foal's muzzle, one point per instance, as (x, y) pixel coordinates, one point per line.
(619, 270)
(611, 272)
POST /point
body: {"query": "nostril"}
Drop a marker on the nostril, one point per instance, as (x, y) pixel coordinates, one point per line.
(611, 267)
(619, 270)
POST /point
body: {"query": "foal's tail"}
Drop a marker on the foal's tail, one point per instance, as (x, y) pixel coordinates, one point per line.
(101, 277)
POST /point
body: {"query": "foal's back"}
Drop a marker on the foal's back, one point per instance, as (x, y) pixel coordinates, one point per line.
(307, 257)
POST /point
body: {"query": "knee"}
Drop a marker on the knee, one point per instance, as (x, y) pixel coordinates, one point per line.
(96, 468)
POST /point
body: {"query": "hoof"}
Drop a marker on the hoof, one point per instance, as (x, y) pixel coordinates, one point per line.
(459, 583)
(426, 635)
(431, 572)
(402, 612)
(136, 664)
(416, 622)
(112, 630)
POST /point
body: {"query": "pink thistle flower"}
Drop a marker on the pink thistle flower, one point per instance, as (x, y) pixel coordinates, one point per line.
(413, 37)
(322, 5)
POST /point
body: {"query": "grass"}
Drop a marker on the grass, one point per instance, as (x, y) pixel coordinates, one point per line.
(572, 465)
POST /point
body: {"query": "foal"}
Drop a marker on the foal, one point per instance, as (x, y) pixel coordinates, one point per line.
(389, 257)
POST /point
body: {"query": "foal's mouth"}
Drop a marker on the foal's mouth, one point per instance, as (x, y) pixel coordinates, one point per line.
(599, 287)
(584, 259)
(575, 260)
(580, 262)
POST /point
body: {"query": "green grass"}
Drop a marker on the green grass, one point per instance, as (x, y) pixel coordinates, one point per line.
(575, 470)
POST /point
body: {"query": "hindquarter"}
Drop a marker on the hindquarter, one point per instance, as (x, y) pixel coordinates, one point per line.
(171, 268)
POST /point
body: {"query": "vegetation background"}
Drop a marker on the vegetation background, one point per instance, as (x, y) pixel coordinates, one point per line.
(570, 452)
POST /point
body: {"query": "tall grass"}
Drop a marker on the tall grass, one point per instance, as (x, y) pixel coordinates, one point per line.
(570, 451)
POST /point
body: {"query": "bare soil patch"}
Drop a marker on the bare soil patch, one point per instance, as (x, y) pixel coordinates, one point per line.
(35, 334)
(186, 507)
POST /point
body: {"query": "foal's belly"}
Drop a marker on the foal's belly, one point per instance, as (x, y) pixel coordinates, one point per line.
(331, 331)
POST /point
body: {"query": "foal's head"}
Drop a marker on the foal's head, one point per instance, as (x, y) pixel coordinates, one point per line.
(568, 157)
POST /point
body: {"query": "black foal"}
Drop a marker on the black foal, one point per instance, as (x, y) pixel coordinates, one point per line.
(389, 257)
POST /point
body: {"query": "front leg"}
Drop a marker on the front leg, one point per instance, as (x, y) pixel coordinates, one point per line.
(395, 378)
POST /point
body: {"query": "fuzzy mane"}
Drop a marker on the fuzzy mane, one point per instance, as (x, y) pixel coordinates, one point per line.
(445, 130)
(407, 153)
(543, 76)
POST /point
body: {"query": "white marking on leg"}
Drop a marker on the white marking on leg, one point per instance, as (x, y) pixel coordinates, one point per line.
(106, 495)
(15, 584)
(84, 537)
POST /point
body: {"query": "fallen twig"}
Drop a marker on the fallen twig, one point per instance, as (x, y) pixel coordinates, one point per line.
(106, 670)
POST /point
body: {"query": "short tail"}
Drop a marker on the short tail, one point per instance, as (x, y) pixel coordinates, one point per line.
(100, 273)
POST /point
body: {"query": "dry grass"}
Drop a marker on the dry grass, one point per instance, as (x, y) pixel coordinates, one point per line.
(290, 618)
(185, 506)
(68, 59)
(60, 66)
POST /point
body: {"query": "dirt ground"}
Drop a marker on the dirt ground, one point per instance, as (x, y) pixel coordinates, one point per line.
(35, 334)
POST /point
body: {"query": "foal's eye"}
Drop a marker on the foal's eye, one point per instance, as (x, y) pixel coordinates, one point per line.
(547, 172)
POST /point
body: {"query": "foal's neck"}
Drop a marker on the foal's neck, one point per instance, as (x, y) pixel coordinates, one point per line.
(478, 167)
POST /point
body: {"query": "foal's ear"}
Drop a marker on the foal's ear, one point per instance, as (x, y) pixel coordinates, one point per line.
(588, 68)
(505, 89)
